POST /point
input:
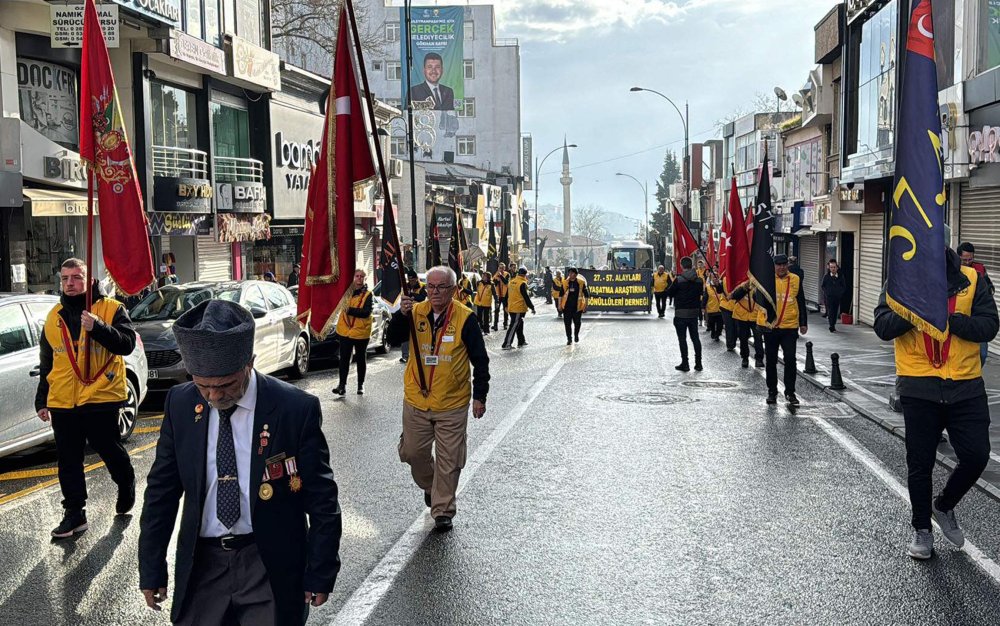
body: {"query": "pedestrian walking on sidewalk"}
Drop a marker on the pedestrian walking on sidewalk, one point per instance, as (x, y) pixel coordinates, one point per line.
(661, 280)
(418, 293)
(451, 348)
(712, 305)
(968, 253)
(518, 303)
(484, 301)
(947, 395)
(501, 282)
(834, 287)
(354, 331)
(260, 531)
(574, 304)
(687, 292)
(85, 410)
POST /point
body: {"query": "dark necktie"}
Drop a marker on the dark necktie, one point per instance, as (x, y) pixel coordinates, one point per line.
(227, 496)
(437, 97)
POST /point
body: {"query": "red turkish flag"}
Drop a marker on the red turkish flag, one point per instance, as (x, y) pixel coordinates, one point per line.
(684, 242)
(735, 254)
(104, 148)
(710, 253)
(328, 256)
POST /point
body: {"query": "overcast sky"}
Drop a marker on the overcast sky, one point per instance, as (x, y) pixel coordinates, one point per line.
(580, 57)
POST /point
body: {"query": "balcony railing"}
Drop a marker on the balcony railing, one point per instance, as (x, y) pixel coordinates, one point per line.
(231, 170)
(180, 162)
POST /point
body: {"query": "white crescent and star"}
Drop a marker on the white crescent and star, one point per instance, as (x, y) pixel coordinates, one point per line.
(923, 30)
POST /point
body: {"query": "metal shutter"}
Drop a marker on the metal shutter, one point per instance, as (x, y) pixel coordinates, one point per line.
(870, 270)
(809, 262)
(979, 224)
(214, 260)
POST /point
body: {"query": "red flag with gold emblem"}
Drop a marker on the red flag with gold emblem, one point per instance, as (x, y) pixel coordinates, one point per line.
(104, 148)
(328, 255)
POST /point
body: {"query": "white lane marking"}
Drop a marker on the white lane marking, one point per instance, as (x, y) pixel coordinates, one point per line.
(367, 596)
(875, 466)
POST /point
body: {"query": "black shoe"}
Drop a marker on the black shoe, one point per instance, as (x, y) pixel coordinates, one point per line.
(403, 359)
(683, 367)
(126, 500)
(361, 389)
(521, 345)
(730, 349)
(339, 390)
(792, 400)
(569, 342)
(442, 523)
(494, 328)
(427, 499)
(697, 366)
(576, 338)
(833, 330)
(772, 398)
(745, 363)
(758, 363)
(73, 522)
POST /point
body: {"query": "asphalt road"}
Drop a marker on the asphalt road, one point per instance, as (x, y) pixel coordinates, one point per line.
(602, 487)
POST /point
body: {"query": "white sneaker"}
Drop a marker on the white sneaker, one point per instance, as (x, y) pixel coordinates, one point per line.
(949, 525)
(922, 546)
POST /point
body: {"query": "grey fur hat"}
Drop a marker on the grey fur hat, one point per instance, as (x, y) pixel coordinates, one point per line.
(215, 338)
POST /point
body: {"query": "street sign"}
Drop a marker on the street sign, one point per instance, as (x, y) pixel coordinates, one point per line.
(67, 24)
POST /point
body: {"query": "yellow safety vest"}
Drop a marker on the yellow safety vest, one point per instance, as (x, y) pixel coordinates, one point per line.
(745, 310)
(460, 296)
(963, 356)
(786, 304)
(66, 390)
(660, 282)
(557, 288)
(515, 301)
(726, 303)
(449, 383)
(484, 294)
(355, 327)
(581, 301)
(714, 301)
(502, 284)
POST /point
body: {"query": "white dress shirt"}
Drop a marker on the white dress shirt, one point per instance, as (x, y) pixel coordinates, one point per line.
(243, 439)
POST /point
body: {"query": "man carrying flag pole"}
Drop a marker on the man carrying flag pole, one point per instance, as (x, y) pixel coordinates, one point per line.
(936, 311)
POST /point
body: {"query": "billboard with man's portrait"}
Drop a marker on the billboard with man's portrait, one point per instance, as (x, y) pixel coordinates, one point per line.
(437, 80)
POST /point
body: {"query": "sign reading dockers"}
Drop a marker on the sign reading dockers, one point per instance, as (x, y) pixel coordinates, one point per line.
(619, 290)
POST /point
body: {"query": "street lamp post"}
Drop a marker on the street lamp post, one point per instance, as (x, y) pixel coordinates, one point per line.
(410, 142)
(645, 198)
(687, 169)
(538, 172)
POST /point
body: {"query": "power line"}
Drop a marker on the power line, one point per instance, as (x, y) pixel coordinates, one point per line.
(631, 154)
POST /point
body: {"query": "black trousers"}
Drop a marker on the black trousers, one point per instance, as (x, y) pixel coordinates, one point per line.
(516, 329)
(572, 320)
(832, 311)
(714, 324)
(688, 325)
(743, 331)
(786, 340)
(73, 430)
(729, 325)
(968, 426)
(483, 315)
(498, 304)
(360, 349)
(661, 303)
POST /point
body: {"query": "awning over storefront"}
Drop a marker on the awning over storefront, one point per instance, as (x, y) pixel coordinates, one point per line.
(52, 203)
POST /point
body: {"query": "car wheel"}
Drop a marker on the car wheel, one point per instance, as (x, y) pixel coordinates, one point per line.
(383, 344)
(301, 365)
(129, 412)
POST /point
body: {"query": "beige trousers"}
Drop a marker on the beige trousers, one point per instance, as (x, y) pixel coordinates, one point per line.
(436, 474)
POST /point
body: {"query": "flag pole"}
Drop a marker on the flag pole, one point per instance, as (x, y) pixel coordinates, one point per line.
(89, 299)
(386, 196)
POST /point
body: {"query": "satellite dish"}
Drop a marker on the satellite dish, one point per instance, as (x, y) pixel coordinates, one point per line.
(797, 99)
(778, 91)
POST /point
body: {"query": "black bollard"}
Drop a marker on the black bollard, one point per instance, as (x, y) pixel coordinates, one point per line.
(836, 381)
(810, 362)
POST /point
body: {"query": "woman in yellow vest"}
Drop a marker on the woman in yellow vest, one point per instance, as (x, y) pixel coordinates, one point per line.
(484, 301)
(558, 288)
(354, 330)
(712, 304)
(574, 304)
(940, 385)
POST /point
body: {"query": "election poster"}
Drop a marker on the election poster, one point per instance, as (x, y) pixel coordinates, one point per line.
(437, 79)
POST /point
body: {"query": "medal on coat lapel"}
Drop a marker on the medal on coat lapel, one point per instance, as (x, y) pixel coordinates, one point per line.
(266, 491)
(294, 481)
(265, 437)
(198, 410)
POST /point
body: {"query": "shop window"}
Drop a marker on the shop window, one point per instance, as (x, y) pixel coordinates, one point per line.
(466, 145)
(469, 67)
(469, 30)
(392, 32)
(467, 108)
(232, 131)
(397, 146)
(393, 70)
(48, 100)
(876, 104)
(213, 22)
(248, 22)
(174, 122)
(192, 14)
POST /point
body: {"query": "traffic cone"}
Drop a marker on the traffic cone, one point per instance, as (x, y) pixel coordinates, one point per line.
(836, 380)
(810, 362)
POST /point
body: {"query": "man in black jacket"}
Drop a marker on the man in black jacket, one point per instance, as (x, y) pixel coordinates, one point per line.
(949, 394)
(260, 531)
(834, 288)
(686, 292)
(83, 402)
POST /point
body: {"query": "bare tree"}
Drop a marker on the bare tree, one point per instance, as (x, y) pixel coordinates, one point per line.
(304, 32)
(760, 103)
(588, 221)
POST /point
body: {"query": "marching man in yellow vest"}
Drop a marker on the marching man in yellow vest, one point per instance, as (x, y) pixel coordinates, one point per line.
(783, 334)
(484, 301)
(940, 386)
(354, 330)
(661, 280)
(573, 302)
(83, 402)
(518, 303)
(451, 347)
(712, 304)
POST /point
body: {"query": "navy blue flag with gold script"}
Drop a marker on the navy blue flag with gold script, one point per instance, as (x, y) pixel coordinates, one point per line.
(762, 246)
(504, 235)
(917, 287)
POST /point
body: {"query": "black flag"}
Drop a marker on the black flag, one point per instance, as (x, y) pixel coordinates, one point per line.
(504, 248)
(434, 247)
(491, 255)
(391, 260)
(455, 248)
(762, 246)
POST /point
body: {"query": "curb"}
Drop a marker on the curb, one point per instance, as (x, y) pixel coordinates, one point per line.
(846, 397)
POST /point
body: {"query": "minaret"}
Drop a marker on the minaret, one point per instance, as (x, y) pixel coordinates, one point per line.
(566, 181)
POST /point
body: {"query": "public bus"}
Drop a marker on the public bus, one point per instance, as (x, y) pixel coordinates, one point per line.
(634, 255)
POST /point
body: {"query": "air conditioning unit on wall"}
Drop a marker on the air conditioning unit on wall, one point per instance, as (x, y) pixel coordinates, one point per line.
(395, 168)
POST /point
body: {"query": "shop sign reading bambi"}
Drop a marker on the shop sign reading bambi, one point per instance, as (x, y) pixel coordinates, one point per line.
(67, 24)
(983, 144)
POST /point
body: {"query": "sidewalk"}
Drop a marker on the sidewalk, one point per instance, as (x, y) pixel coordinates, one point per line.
(868, 368)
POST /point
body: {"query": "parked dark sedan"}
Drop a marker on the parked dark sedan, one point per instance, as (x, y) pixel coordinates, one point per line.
(280, 342)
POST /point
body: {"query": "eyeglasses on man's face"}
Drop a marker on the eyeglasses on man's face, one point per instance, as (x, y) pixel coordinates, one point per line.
(431, 287)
